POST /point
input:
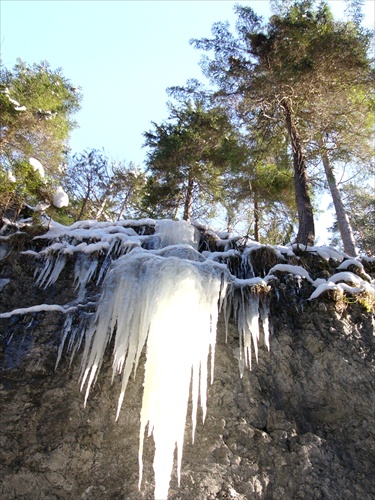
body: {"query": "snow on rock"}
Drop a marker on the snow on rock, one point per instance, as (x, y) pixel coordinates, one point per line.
(346, 276)
(342, 282)
(34, 309)
(60, 198)
(356, 263)
(38, 167)
(295, 270)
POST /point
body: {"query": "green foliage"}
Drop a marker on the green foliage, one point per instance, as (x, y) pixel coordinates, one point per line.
(36, 105)
(187, 160)
(25, 187)
(291, 72)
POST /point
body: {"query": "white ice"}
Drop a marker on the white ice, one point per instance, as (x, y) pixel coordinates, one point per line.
(171, 306)
(176, 232)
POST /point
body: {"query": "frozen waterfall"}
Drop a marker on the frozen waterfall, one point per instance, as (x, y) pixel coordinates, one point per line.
(161, 297)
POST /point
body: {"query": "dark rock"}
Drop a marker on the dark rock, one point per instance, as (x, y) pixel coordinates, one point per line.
(300, 425)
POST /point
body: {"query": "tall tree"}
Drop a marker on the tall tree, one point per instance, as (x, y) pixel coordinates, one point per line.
(265, 179)
(188, 156)
(359, 200)
(282, 70)
(103, 189)
(36, 105)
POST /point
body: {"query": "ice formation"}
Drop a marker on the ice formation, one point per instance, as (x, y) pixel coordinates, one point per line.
(170, 306)
(161, 296)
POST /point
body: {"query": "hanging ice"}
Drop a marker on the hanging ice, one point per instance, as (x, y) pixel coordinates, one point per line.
(176, 233)
(170, 305)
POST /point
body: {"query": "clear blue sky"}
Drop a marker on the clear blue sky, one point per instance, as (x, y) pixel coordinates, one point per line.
(123, 54)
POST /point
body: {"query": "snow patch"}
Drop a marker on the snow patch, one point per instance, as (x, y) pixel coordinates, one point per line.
(295, 270)
(38, 167)
(60, 198)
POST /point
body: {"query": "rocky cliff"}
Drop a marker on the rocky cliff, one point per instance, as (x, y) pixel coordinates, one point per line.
(300, 424)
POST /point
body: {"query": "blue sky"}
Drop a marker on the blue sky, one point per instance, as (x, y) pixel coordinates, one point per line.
(123, 54)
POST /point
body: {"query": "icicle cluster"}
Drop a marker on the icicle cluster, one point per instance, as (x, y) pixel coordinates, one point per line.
(171, 306)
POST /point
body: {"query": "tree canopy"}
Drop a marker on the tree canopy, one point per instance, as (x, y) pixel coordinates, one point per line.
(37, 105)
(188, 157)
(286, 72)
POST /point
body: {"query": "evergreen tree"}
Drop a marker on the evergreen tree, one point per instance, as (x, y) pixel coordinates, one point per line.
(187, 159)
(36, 105)
(282, 71)
(36, 108)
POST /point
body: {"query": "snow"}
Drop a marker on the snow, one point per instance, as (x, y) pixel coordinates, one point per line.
(335, 283)
(35, 309)
(346, 276)
(295, 270)
(356, 263)
(38, 167)
(60, 198)
(11, 177)
(41, 206)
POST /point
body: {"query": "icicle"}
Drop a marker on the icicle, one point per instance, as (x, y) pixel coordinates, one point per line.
(171, 304)
(264, 316)
(65, 331)
(246, 270)
(84, 270)
(246, 314)
(51, 271)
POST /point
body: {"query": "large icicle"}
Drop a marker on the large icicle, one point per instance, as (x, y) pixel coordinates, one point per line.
(171, 304)
(247, 311)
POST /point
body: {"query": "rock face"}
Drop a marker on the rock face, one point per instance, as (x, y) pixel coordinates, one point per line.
(300, 425)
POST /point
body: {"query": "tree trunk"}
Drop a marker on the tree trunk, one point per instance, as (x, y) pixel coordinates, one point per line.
(306, 228)
(256, 218)
(189, 197)
(83, 208)
(343, 222)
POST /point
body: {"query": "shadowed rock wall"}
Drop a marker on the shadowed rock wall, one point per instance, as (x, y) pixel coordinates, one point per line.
(300, 425)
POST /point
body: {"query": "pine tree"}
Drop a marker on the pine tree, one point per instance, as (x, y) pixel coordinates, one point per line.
(187, 159)
(282, 71)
